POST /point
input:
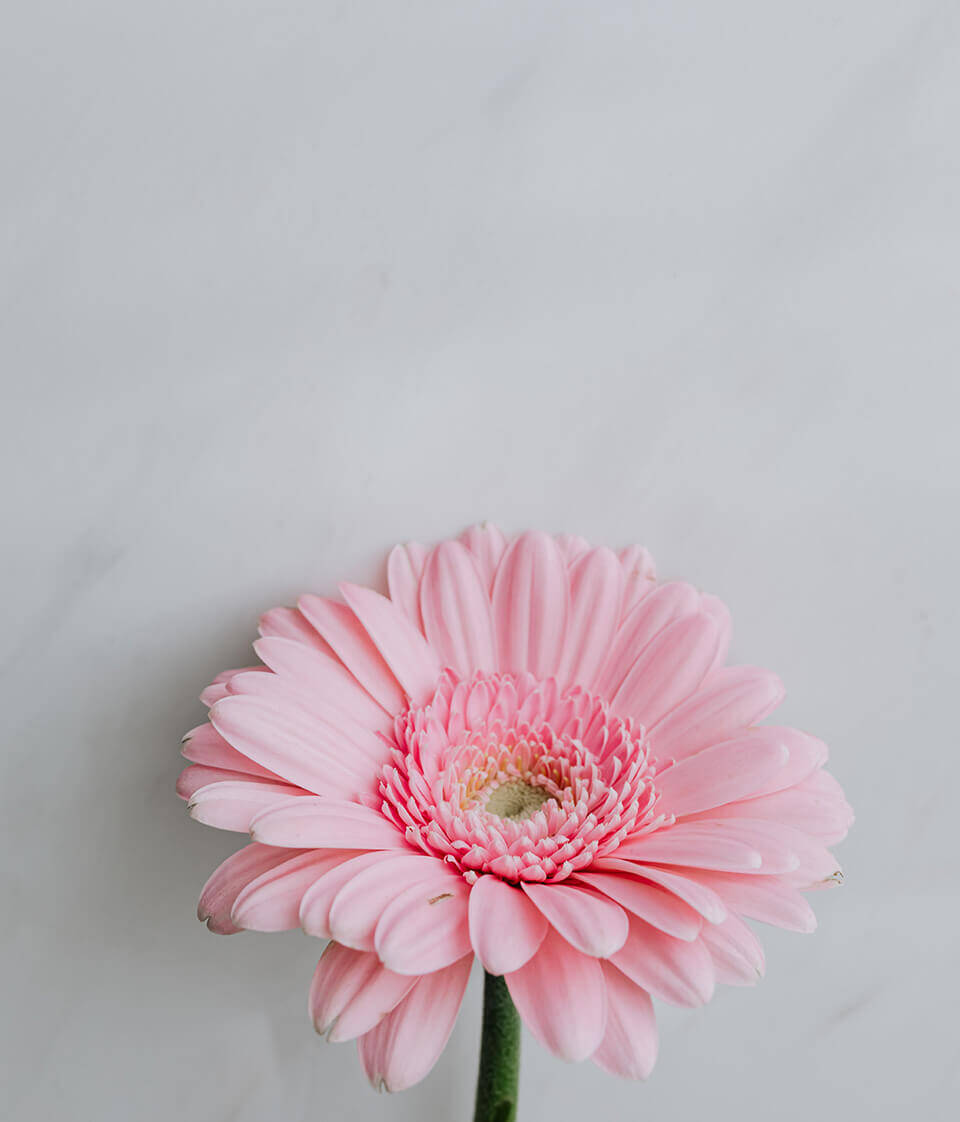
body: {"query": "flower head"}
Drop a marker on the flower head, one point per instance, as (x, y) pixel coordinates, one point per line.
(529, 752)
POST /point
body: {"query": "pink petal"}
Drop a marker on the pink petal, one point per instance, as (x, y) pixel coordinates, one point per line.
(530, 597)
(630, 1040)
(729, 700)
(357, 907)
(406, 1044)
(672, 969)
(657, 906)
(596, 589)
(701, 899)
(271, 902)
(805, 755)
(721, 613)
(346, 636)
(505, 928)
(665, 605)
(320, 675)
(191, 779)
(204, 745)
(233, 804)
(774, 843)
(669, 670)
(640, 575)
(405, 650)
(288, 623)
(592, 923)
(219, 686)
(769, 899)
(735, 950)
(726, 772)
(334, 731)
(293, 745)
(562, 999)
(572, 547)
(352, 991)
(404, 569)
(230, 878)
(456, 610)
(704, 845)
(425, 927)
(318, 899)
(313, 822)
(487, 543)
(815, 806)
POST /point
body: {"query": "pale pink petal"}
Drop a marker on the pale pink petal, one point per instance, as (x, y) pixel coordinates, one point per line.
(230, 878)
(405, 650)
(815, 806)
(530, 598)
(357, 907)
(776, 845)
(406, 1044)
(806, 754)
(191, 779)
(352, 991)
(592, 923)
(729, 700)
(425, 927)
(293, 745)
(271, 902)
(346, 636)
(669, 670)
(726, 772)
(596, 589)
(404, 569)
(721, 613)
(648, 901)
(320, 675)
(640, 576)
(334, 731)
(204, 745)
(561, 997)
(667, 604)
(704, 845)
(487, 543)
(572, 547)
(736, 952)
(769, 899)
(630, 1040)
(288, 623)
(219, 686)
(234, 804)
(675, 970)
(505, 928)
(319, 823)
(701, 899)
(318, 899)
(456, 612)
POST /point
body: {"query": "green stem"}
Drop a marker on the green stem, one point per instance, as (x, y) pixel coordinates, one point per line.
(499, 1055)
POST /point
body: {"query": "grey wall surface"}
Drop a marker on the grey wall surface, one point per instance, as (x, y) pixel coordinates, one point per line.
(284, 283)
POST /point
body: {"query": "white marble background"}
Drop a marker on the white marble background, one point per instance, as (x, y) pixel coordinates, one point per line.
(284, 283)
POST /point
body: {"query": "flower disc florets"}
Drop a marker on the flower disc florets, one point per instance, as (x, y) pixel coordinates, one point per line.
(509, 775)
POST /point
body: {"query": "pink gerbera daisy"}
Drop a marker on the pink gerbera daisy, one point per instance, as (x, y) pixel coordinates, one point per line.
(530, 752)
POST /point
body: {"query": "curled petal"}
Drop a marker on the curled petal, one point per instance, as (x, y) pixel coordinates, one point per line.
(352, 991)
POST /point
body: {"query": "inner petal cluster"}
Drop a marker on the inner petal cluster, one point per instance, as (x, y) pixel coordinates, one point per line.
(509, 775)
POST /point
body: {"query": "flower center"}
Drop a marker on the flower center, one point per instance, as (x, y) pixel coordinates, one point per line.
(516, 800)
(508, 775)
